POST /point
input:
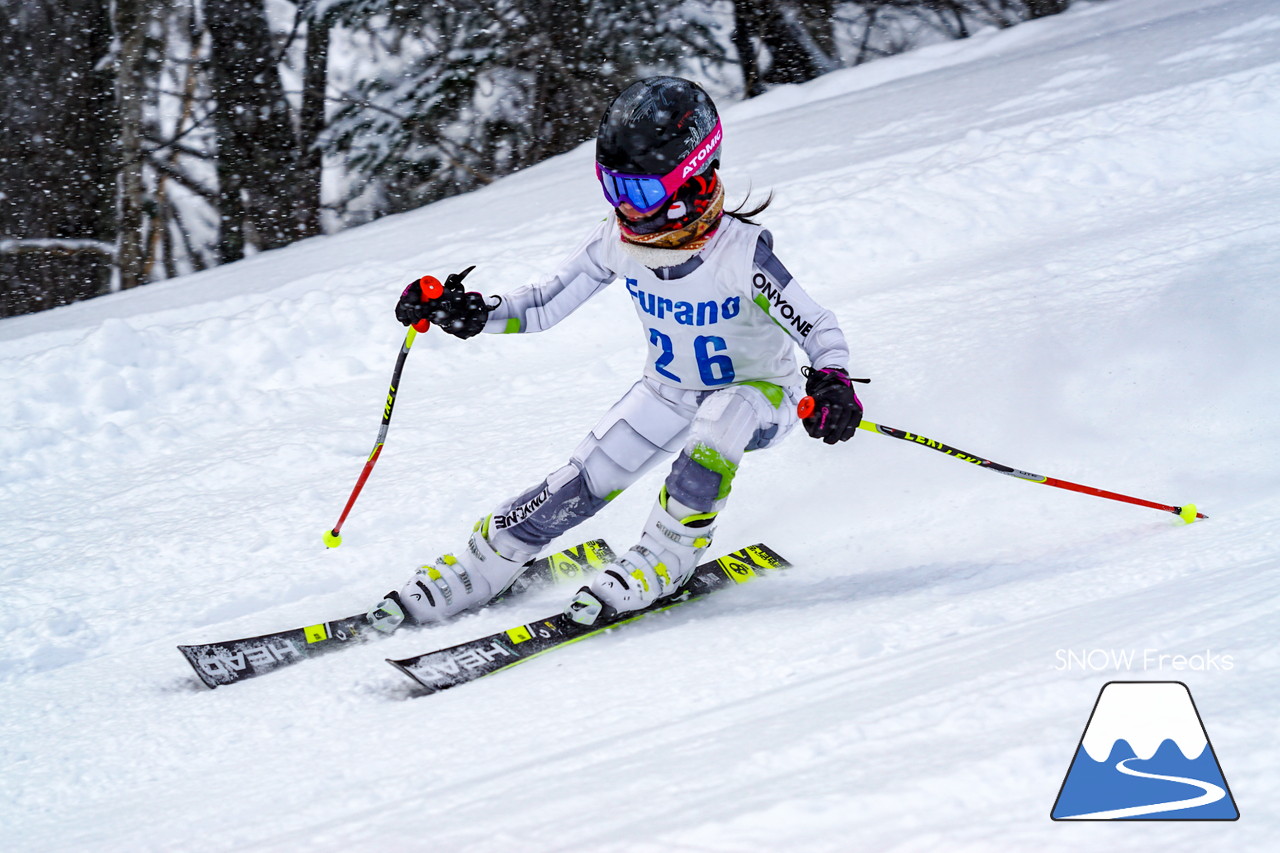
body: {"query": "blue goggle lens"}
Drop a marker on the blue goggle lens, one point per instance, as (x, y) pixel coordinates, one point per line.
(645, 194)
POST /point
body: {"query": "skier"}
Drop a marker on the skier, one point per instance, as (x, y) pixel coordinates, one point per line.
(721, 316)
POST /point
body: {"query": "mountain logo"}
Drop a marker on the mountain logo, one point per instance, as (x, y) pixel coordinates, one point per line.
(1144, 755)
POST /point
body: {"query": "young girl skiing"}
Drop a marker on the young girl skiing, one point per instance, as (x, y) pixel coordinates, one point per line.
(721, 316)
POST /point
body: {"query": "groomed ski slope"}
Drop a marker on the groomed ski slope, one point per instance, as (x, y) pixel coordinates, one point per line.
(1056, 246)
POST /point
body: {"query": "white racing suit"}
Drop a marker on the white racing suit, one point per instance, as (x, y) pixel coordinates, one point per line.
(722, 327)
(721, 377)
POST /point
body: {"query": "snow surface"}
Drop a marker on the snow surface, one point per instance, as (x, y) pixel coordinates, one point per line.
(1055, 246)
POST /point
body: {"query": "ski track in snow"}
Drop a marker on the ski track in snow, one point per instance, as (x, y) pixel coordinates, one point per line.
(1055, 246)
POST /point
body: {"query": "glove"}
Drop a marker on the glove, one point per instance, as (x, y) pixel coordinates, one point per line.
(837, 411)
(461, 314)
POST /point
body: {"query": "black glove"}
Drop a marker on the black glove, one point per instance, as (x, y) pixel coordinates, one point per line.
(837, 411)
(458, 312)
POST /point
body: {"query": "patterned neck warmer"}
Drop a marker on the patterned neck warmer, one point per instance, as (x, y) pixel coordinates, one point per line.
(687, 221)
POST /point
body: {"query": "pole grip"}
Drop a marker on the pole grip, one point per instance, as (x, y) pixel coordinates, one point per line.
(431, 289)
(805, 407)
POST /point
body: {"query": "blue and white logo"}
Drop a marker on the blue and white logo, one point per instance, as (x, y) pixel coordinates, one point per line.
(1145, 755)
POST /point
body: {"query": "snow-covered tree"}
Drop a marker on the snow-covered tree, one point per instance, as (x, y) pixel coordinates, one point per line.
(267, 185)
(458, 94)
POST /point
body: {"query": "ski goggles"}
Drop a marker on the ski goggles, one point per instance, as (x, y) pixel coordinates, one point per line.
(647, 193)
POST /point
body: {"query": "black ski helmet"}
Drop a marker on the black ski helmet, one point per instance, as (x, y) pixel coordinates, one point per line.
(654, 125)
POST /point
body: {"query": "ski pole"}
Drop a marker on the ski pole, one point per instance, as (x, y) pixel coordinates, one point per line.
(431, 289)
(1187, 513)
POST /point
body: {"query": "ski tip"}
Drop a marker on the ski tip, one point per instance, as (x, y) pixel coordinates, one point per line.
(332, 539)
(403, 666)
(1189, 513)
(189, 652)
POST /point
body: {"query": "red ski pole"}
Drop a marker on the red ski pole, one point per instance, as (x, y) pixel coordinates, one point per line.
(431, 289)
(1187, 513)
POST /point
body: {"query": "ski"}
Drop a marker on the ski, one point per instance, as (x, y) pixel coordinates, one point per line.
(233, 661)
(465, 662)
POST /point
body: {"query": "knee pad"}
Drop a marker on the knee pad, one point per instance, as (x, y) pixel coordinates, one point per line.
(701, 479)
(728, 424)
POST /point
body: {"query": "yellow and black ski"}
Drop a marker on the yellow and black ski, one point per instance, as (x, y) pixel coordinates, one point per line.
(232, 661)
(440, 670)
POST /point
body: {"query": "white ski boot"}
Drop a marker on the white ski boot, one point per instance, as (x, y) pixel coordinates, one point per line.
(673, 539)
(451, 585)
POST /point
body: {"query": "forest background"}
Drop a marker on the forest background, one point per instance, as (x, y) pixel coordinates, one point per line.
(144, 139)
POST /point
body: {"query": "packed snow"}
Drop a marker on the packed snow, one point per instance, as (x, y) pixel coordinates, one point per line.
(1055, 246)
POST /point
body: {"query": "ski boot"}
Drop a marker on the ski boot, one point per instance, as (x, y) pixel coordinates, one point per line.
(673, 539)
(451, 585)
